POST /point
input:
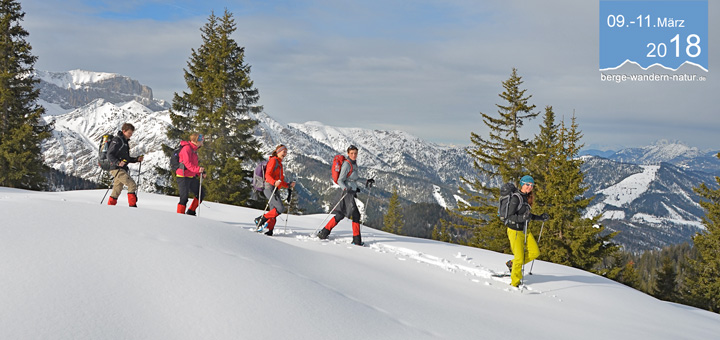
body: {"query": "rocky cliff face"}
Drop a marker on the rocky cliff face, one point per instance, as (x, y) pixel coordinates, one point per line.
(73, 89)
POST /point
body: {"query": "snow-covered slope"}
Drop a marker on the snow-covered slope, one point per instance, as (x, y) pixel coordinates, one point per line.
(651, 205)
(74, 269)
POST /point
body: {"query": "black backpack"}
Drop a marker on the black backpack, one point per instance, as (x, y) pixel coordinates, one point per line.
(175, 159)
(507, 191)
(103, 162)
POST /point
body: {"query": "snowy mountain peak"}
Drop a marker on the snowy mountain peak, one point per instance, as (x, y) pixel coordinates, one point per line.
(74, 79)
(73, 89)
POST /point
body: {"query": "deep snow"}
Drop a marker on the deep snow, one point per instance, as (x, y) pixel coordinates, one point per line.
(74, 269)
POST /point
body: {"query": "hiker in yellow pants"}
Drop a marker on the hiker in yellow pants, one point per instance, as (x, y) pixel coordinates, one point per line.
(522, 255)
(518, 217)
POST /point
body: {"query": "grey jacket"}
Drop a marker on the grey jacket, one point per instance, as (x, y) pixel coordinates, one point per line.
(352, 182)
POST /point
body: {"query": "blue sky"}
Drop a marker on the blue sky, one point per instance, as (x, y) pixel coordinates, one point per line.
(426, 67)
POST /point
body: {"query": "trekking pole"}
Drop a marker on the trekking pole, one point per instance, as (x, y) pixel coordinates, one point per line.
(524, 251)
(538, 241)
(331, 210)
(367, 201)
(266, 207)
(199, 192)
(139, 177)
(288, 212)
(106, 191)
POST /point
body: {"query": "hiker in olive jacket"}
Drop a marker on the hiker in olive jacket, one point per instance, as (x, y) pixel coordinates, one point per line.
(119, 154)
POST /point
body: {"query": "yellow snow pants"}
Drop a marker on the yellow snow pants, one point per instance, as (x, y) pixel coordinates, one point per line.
(522, 255)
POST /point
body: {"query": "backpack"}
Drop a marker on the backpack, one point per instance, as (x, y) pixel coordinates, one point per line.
(507, 191)
(103, 161)
(337, 165)
(258, 182)
(175, 159)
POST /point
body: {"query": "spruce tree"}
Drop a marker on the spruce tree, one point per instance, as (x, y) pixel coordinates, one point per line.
(393, 219)
(665, 285)
(704, 279)
(500, 157)
(218, 104)
(568, 238)
(22, 128)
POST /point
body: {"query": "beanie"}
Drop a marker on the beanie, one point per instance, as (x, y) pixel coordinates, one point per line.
(526, 179)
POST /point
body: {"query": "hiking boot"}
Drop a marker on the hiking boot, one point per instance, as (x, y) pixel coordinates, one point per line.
(269, 232)
(132, 200)
(191, 212)
(323, 234)
(509, 265)
(357, 240)
(260, 221)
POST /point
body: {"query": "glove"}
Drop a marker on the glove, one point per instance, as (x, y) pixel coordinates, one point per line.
(544, 217)
(526, 215)
(369, 183)
(357, 191)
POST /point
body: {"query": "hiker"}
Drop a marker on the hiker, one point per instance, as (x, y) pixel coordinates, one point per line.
(118, 154)
(274, 179)
(188, 174)
(349, 181)
(523, 251)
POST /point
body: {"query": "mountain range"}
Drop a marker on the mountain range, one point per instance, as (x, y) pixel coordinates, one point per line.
(645, 193)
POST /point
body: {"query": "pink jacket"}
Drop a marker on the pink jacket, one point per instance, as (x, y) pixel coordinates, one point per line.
(189, 158)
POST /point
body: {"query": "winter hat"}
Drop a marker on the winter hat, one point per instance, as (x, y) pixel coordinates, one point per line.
(526, 179)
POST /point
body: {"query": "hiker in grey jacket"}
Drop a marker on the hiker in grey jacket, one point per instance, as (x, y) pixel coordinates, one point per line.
(349, 180)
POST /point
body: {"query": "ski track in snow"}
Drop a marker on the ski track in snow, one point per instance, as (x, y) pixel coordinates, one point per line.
(477, 273)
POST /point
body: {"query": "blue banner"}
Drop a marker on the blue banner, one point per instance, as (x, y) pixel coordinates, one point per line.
(664, 33)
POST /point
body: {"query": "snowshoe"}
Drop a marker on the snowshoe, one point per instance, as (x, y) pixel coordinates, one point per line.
(260, 223)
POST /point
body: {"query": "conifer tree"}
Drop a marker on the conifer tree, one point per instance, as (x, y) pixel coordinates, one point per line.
(22, 128)
(630, 276)
(218, 104)
(498, 158)
(704, 280)
(665, 285)
(393, 219)
(568, 238)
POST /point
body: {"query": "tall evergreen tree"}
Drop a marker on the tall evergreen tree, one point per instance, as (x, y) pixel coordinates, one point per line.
(500, 157)
(393, 219)
(22, 128)
(218, 104)
(704, 280)
(568, 238)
